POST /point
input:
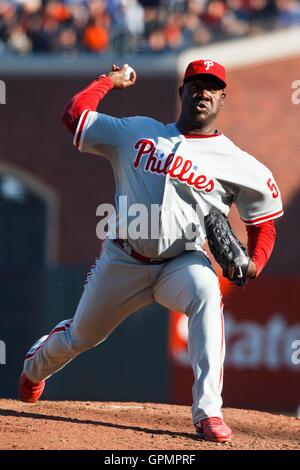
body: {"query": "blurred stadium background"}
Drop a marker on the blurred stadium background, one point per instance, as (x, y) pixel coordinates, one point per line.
(49, 192)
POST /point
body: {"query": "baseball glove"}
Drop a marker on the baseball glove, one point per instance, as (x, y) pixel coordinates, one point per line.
(226, 248)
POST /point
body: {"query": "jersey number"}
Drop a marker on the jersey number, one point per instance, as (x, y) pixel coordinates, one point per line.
(273, 188)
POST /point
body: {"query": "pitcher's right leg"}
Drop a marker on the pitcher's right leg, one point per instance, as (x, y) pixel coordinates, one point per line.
(116, 288)
(189, 284)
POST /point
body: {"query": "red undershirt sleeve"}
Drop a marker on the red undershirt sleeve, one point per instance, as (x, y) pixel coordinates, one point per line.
(89, 98)
(261, 240)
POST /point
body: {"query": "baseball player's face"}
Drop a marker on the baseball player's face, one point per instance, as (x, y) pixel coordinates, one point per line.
(202, 99)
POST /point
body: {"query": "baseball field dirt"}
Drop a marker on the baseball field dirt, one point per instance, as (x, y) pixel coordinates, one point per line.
(133, 426)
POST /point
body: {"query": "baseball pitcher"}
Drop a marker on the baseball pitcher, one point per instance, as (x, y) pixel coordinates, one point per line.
(194, 174)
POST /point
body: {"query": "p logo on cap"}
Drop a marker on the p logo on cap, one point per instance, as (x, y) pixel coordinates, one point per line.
(208, 63)
(200, 67)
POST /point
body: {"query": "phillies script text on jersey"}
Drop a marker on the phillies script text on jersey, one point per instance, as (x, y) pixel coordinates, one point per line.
(177, 168)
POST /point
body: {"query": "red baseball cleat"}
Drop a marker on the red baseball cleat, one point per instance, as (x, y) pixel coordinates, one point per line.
(213, 429)
(30, 392)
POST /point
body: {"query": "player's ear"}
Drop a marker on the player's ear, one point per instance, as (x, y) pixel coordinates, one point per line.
(180, 91)
(223, 97)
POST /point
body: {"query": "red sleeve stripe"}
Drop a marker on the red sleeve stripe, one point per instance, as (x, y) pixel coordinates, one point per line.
(263, 219)
(80, 128)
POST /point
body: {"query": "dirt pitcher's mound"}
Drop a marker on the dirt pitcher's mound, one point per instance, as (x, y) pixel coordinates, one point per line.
(133, 426)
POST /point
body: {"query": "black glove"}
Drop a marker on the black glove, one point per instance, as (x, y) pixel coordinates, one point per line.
(228, 251)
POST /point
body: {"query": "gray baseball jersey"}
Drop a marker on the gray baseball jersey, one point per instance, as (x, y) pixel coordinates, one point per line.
(154, 163)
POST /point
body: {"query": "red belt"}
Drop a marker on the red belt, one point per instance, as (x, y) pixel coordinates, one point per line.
(130, 251)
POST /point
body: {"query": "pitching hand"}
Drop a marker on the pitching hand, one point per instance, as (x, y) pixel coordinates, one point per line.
(117, 75)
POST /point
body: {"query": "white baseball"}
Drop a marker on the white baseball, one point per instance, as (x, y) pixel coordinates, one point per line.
(128, 72)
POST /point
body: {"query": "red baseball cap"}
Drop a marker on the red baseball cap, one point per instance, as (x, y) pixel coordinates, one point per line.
(205, 66)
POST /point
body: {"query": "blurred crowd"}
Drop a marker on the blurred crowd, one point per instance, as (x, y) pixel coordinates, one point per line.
(124, 26)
